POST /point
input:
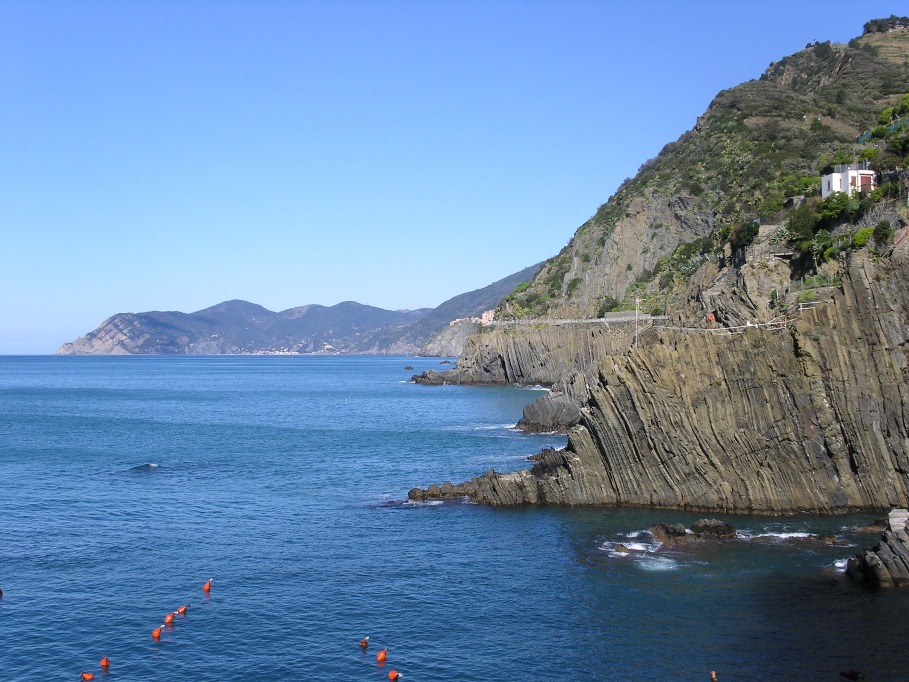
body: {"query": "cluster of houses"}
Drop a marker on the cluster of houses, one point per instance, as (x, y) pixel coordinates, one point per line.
(486, 318)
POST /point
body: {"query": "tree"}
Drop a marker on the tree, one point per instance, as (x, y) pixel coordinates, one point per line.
(883, 234)
(802, 221)
(819, 244)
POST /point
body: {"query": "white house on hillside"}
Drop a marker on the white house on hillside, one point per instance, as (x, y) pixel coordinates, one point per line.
(848, 178)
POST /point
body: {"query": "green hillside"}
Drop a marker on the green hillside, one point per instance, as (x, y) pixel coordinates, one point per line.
(757, 145)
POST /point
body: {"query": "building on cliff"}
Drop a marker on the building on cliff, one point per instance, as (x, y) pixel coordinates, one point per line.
(848, 178)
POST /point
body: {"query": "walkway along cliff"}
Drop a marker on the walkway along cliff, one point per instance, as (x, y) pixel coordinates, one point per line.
(812, 417)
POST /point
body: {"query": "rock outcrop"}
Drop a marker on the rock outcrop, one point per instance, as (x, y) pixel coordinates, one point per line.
(887, 565)
(563, 357)
(812, 417)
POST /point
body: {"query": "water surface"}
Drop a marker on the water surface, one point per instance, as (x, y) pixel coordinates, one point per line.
(125, 483)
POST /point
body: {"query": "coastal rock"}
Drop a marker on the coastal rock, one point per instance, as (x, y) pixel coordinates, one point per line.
(713, 528)
(552, 412)
(667, 533)
(564, 357)
(675, 534)
(813, 417)
(887, 565)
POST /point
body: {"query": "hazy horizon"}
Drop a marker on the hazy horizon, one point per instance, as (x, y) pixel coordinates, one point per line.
(172, 155)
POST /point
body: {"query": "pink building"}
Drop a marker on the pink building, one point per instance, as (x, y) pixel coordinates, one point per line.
(488, 317)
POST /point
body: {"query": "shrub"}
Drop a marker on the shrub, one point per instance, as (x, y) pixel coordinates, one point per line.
(802, 222)
(883, 233)
(743, 235)
(862, 236)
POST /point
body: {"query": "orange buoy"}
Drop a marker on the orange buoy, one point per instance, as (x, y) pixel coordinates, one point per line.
(182, 610)
(169, 618)
(105, 663)
(207, 586)
(394, 675)
(87, 676)
(156, 633)
(364, 642)
(380, 657)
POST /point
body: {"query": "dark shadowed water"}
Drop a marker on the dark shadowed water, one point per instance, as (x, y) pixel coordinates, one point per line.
(125, 483)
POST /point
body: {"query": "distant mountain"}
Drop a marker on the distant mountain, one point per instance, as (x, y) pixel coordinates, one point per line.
(236, 327)
(418, 336)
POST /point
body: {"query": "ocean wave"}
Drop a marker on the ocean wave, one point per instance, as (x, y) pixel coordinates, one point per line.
(625, 549)
(775, 535)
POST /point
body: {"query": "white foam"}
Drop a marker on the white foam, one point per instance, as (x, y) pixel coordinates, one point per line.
(840, 565)
(659, 563)
(423, 503)
(630, 548)
(642, 547)
(779, 535)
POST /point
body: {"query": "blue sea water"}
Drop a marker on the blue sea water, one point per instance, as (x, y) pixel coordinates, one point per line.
(125, 483)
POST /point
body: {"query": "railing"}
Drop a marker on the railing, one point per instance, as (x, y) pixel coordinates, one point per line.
(606, 319)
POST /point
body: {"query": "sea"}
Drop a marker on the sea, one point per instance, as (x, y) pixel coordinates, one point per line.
(126, 483)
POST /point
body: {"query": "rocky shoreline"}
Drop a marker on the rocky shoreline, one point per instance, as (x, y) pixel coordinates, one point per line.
(810, 417)
(887, 565)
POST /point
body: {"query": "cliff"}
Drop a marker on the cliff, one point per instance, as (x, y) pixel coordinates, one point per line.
(887, 565)
(756, 146)
(812, 416)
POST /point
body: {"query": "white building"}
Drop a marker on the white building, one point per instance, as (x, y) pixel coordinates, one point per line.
(849, 178)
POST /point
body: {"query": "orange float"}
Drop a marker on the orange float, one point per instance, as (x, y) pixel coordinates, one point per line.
(364, 642)
(156, 633)
(207, 586)
(87, 676)
(169, 618)
(105, 663)
(394, 675)
(182, 610)
(381, 656)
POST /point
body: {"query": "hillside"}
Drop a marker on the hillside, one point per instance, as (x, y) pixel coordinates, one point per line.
(757, 145)
(776, 380)
(241, 327)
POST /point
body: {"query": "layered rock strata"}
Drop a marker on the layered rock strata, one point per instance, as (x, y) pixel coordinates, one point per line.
(813, 417)
(887, 565)
(563, 357)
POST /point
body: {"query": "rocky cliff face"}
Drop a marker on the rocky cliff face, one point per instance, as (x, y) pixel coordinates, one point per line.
(813, 417)
(887, 565)
(563, 357)
(449, 342)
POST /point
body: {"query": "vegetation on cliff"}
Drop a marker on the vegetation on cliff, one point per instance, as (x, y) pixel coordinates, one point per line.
(758, 145)
(779, 383)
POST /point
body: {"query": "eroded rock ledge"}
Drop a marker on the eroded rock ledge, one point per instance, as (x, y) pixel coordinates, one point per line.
(811, 418)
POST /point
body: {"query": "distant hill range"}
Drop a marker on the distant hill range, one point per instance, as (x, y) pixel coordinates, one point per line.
(236, 327)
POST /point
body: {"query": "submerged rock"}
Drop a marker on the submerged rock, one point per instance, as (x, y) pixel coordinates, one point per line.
(713, 528)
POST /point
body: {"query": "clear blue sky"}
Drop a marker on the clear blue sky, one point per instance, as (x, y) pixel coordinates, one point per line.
(172, 155)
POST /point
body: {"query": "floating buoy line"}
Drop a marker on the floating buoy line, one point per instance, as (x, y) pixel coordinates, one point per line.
(168, 624)
(381, 659)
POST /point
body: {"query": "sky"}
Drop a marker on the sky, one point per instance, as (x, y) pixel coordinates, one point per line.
(162, 155)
